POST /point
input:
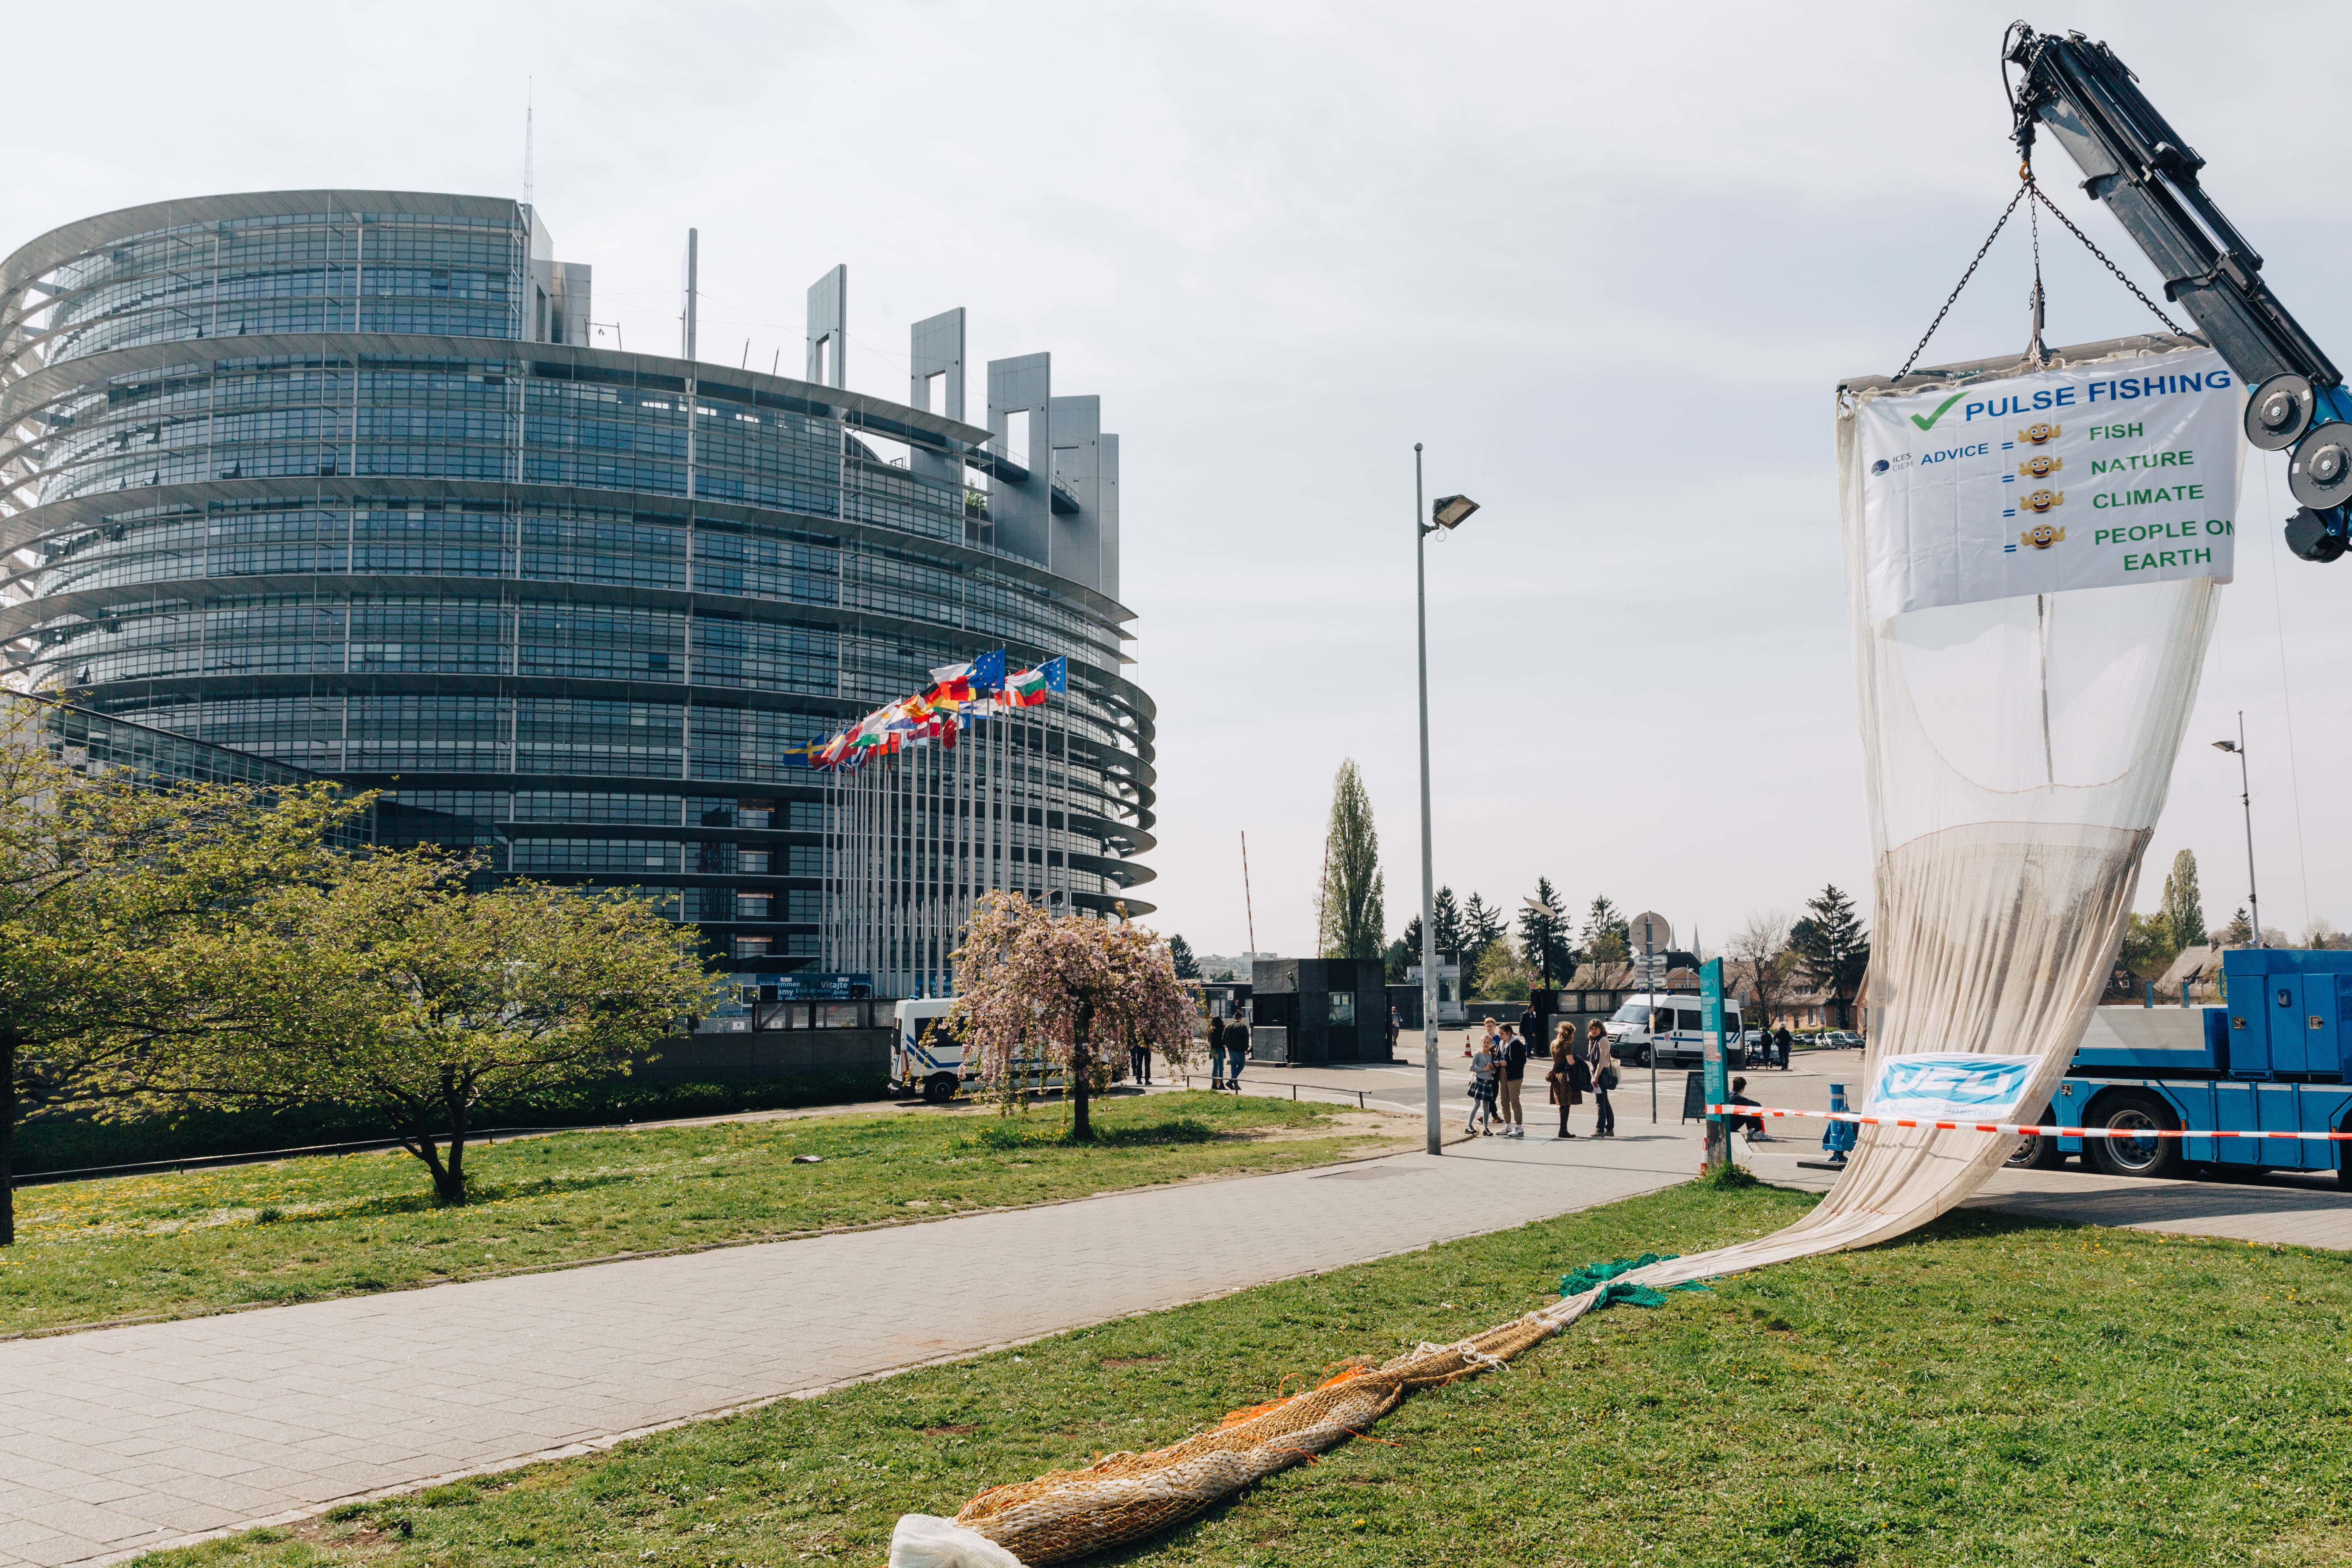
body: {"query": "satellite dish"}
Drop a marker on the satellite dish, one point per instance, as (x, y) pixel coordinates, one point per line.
(1649, 929)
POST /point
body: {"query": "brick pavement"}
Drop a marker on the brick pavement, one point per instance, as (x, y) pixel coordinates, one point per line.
(118, 1440)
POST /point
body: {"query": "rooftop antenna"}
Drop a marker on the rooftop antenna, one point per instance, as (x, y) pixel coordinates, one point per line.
(527, 188)
(685, 323)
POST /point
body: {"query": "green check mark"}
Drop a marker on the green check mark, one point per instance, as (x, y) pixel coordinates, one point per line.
(1929, 422)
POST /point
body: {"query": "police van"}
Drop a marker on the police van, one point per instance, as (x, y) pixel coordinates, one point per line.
(928, 1060)
(1652, 1027)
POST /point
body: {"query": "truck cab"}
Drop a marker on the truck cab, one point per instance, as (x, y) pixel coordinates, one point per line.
(2273, 1056)
(925, 1059)
(1666, 1026)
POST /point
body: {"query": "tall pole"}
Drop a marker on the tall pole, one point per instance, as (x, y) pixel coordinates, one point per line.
(2246, 800)
(1433, 1127)
(1248, 910)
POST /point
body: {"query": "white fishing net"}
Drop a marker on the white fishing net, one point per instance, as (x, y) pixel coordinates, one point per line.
(2017, 751)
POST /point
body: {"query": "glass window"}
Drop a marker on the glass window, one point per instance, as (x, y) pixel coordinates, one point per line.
(1633, 1013)
(1343, 1006)
(1686, 1018)
(840, 1015)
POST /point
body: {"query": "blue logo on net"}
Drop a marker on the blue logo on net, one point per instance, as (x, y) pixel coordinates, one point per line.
(1981, 1080)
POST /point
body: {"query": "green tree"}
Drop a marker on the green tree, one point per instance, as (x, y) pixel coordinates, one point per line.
(1543, 933)
(1481, 928)
(1446, 916)
(1608, 933)
(2183, 910)
(1403, 954)
(1180, 953)
(1352, 905)
(1504, 975)
(1832, 950)
(105, 885)
(2238, 932)
(397, 988)
(2147, 949)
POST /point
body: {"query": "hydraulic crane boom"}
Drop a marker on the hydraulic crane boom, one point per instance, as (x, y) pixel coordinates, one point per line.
(2145, 174)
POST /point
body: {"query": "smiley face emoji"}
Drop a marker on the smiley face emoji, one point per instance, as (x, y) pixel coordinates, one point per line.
(2040, 466)
(2042, 501)
(2041, 536)
(2038, 434)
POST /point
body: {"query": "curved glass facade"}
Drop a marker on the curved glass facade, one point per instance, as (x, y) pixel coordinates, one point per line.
(317, 477)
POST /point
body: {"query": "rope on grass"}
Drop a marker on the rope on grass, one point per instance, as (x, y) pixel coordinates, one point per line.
(1069, 1514)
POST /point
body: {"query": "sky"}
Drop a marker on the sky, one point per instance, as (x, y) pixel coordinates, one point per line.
(1607, 267)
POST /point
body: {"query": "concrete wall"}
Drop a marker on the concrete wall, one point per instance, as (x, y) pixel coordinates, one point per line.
(774, 1054)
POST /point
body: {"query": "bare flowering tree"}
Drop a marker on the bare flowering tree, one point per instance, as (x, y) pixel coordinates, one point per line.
(1071, 992)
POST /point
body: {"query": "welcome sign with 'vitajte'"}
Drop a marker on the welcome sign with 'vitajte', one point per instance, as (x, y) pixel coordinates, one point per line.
(2097, 475)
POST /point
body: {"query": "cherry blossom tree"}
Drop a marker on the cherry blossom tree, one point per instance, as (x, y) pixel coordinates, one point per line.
(1073, 991)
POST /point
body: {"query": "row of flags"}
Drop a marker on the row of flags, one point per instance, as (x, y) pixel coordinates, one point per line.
(960, 695)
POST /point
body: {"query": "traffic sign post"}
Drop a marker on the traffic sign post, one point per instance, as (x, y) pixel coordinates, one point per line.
(1653, 935)
(1718, 1092)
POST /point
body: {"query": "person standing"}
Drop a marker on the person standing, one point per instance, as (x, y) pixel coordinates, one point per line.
(1780, 1040)
(1237, 1044)
(1512, 1071)
(1216, 1054)
(1138, 1064)
(1562, 1076)
(1482, 1090)
(1603, 1068)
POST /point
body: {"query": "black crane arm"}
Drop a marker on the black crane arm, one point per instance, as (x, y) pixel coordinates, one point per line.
(2144, 172)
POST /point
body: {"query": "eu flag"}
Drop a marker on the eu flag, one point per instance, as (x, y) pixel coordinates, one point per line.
(988, 673)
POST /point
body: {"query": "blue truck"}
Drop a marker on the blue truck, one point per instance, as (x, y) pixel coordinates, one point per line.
(2275, 1057)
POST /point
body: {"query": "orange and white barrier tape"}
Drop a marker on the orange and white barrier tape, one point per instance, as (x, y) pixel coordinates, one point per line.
(2016, 1131)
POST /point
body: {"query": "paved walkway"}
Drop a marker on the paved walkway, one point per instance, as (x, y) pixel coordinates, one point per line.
(122, 1439)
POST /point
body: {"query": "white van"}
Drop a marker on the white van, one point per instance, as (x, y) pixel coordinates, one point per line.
(1666, 1027)
(923, 1059)
(927, 1060)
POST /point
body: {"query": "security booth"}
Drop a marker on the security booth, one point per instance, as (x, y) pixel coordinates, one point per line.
(1313, 1010)
(1224, 999)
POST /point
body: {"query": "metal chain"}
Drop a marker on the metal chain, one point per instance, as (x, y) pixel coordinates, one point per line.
(1963, 283)
(2170, 323)
(2034, 305)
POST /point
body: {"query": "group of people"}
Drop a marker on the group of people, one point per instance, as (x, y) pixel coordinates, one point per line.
(1228, 1049)
(1499, 1071)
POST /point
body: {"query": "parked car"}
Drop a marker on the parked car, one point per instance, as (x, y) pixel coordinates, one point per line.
(1839, 1040)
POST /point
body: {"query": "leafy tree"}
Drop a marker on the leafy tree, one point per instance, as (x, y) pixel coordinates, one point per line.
(1544, 933)
(398, 989)
(1504, 975)
(1608, 933)
(1446, 916)
(104, 886)
(1481, 928)
(1180, 953)
(1833, 949)
(2183, 910)
(1352, 905)
(1762, 944)
(2147, 949)
(1403, 954)
(1075, 991)
(2238, 932)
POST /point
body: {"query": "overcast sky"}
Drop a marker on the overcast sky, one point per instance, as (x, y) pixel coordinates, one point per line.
(1607, 262)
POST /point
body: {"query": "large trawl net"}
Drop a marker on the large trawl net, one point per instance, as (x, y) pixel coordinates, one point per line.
(2032, 558)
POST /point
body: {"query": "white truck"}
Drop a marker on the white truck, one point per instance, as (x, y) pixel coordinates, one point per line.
(1663, 1026)
(925, 1059)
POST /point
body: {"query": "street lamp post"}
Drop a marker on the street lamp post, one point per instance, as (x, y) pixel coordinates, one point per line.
(1448, 514)
(2246, 800)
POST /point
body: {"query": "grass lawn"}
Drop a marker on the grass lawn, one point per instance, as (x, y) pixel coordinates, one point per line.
(297, 1229)
(1993, 1391)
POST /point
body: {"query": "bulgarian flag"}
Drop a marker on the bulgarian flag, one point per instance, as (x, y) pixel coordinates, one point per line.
(1032, 687)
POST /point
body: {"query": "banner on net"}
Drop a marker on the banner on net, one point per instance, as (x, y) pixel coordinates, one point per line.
(1933, 1085)
(2121, 471)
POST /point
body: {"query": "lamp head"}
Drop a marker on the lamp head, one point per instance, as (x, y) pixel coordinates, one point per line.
(1451, 511)
(2225, 745)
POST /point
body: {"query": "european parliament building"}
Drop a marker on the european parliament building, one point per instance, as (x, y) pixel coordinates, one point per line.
(338, 479)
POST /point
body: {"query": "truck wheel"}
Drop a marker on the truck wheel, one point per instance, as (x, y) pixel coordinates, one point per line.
(939, 1088)
(2134, 1111)
(2036, 1153)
